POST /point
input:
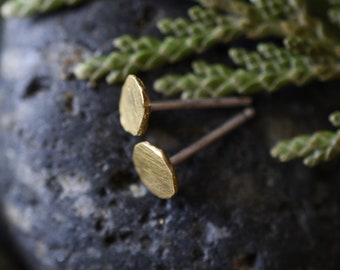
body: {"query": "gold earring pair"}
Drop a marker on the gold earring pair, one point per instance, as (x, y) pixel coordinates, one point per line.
(154, 167)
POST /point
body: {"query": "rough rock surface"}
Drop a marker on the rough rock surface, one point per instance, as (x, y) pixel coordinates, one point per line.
(69, 190)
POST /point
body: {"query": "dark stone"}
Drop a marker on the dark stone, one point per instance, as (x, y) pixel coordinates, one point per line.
(10, 257)
(69, 190)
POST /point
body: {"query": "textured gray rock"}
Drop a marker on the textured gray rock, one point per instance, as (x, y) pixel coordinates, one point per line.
(69, 190)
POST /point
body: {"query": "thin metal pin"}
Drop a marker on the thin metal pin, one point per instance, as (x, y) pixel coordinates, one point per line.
(156, 170)
(135, 106)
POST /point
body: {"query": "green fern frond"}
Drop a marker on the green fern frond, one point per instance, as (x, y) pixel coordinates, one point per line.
(220, 21)
(21, 8)
(316, 148)
(270, 68)
(302, 145)
(185, 37)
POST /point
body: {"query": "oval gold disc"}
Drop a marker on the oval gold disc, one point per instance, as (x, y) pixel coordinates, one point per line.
(134, 106)
(155, 170)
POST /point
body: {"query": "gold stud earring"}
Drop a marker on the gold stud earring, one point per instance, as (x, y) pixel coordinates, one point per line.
(135, 106)
(156, 170)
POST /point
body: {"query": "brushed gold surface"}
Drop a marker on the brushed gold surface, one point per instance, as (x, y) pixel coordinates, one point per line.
(134, 106)
(155, 170)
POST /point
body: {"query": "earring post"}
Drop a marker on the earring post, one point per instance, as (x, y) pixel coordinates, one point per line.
(212, 136)
(201, 103)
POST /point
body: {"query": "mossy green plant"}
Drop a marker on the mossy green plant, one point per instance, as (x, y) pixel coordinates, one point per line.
(316, 148)
(270, 68)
